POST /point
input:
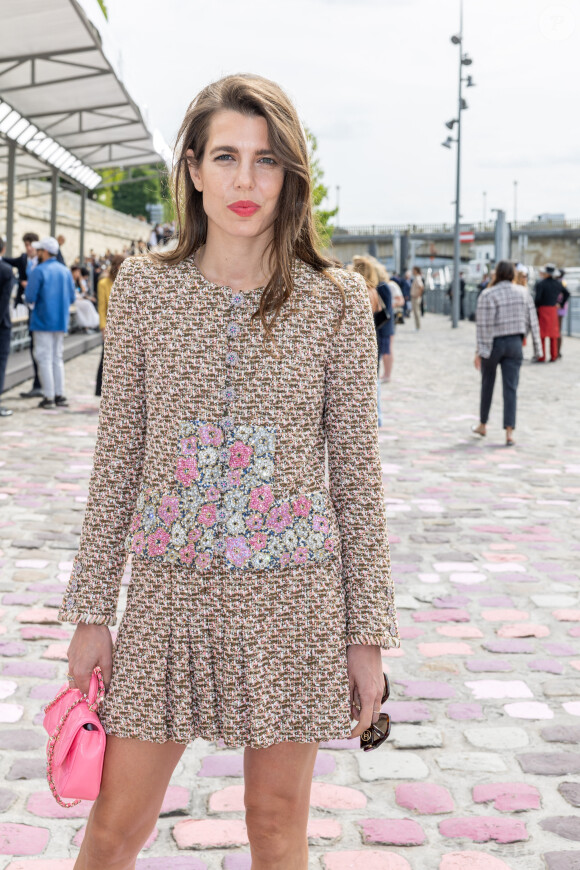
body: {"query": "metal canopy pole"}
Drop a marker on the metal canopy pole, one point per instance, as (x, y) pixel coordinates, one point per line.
(82, 230)
(456, 243)
(53, 202)
(10, 198)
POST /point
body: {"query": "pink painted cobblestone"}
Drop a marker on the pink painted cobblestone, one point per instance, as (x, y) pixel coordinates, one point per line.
(486, 558)
(508, 797)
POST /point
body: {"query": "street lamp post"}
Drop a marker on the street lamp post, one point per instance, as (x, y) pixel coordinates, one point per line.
(464, 60)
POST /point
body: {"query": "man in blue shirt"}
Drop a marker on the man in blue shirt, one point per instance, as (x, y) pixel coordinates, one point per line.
(50, 292)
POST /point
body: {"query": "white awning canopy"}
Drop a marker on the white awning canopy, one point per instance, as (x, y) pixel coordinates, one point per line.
(61, 98)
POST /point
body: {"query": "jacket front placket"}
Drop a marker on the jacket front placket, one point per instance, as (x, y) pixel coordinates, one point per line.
(229, 399)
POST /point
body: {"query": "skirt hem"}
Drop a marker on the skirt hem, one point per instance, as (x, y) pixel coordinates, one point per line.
(213, 737)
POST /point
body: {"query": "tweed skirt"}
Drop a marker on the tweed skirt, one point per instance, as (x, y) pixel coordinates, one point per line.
(252, 658)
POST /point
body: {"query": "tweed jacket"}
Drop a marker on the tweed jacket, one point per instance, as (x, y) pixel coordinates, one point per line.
(211, 445)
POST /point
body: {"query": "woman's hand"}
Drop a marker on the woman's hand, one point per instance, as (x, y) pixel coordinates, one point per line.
(365, 677)
(91, 645)
(477, 362)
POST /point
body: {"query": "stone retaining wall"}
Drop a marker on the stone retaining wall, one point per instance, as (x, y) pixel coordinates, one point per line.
(105, 228)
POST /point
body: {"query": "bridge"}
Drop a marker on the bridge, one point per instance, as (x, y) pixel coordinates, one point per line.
(531, 242)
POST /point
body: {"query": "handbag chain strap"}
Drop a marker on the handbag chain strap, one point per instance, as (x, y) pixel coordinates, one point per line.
(51, 745)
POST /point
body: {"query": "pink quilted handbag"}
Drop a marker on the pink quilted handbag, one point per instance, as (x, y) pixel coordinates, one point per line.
(76, 742)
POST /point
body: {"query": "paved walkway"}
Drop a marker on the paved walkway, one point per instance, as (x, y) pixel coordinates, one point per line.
(482, 770)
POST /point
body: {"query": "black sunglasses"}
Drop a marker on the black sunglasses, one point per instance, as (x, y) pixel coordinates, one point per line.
(376, 735)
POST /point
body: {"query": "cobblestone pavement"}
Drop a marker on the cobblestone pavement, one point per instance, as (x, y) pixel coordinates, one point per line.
(482, 770)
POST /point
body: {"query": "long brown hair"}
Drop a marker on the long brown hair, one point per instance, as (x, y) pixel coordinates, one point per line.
(116, 262)
(365, 267)
(294, 233)
(504, 271)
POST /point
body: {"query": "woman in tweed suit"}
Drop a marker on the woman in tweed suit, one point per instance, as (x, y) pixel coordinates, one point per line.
(259, 599)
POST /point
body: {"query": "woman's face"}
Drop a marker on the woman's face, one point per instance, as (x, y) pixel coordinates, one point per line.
(239, 177)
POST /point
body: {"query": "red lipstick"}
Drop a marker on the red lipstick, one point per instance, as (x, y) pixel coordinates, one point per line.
(244, 207)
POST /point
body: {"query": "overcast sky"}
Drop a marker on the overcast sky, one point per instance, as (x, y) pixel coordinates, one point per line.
(375, 80)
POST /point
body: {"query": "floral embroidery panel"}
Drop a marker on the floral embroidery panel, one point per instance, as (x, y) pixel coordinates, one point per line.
(223, 506)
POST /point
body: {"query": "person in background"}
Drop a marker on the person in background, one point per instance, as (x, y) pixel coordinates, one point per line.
(521, 279)
(521, 276)
(366, 267)
(547, 292)
(7, 281)
(386, 332)
(79, 281)
(462, 295)
(417, 290)
(87, 317)
(406, 289)
(103, 295)
(50, 292)
(61, 240)
(505, 315)
(485, 282)
(25, 263)
(90, 292)
(562, 309)
(153, 240)
(398, 300)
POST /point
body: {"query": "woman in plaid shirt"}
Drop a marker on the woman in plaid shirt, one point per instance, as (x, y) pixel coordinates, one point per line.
(505, 315)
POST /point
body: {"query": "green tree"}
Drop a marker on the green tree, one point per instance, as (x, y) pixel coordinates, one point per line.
(322, 217)
(133, 196)
(104, 8)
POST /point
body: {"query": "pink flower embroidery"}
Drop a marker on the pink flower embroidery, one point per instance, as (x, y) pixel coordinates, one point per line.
(136, 522)
(188, 446)
(157, 542)
(235, 477)
(300, 555)
(203, 561)
(169, 510)
(329, 545)
(261, 499)
(207, 515)
(255, 522)
(258, 541)
(194, 536)
(213, 493)
(237, 551)
(187, 554)
(284, 560)
(210, 434)
(138, 543)
(279, 518)
(320, 524)
(240, 454)
(301, 506)
(186, 471)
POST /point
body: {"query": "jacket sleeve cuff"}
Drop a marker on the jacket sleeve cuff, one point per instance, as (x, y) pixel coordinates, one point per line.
(76, 616)
(385, 641)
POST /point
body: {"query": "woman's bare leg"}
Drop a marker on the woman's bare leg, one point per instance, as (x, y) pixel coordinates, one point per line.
(135, 778)
(388, 362)
(277, 797)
